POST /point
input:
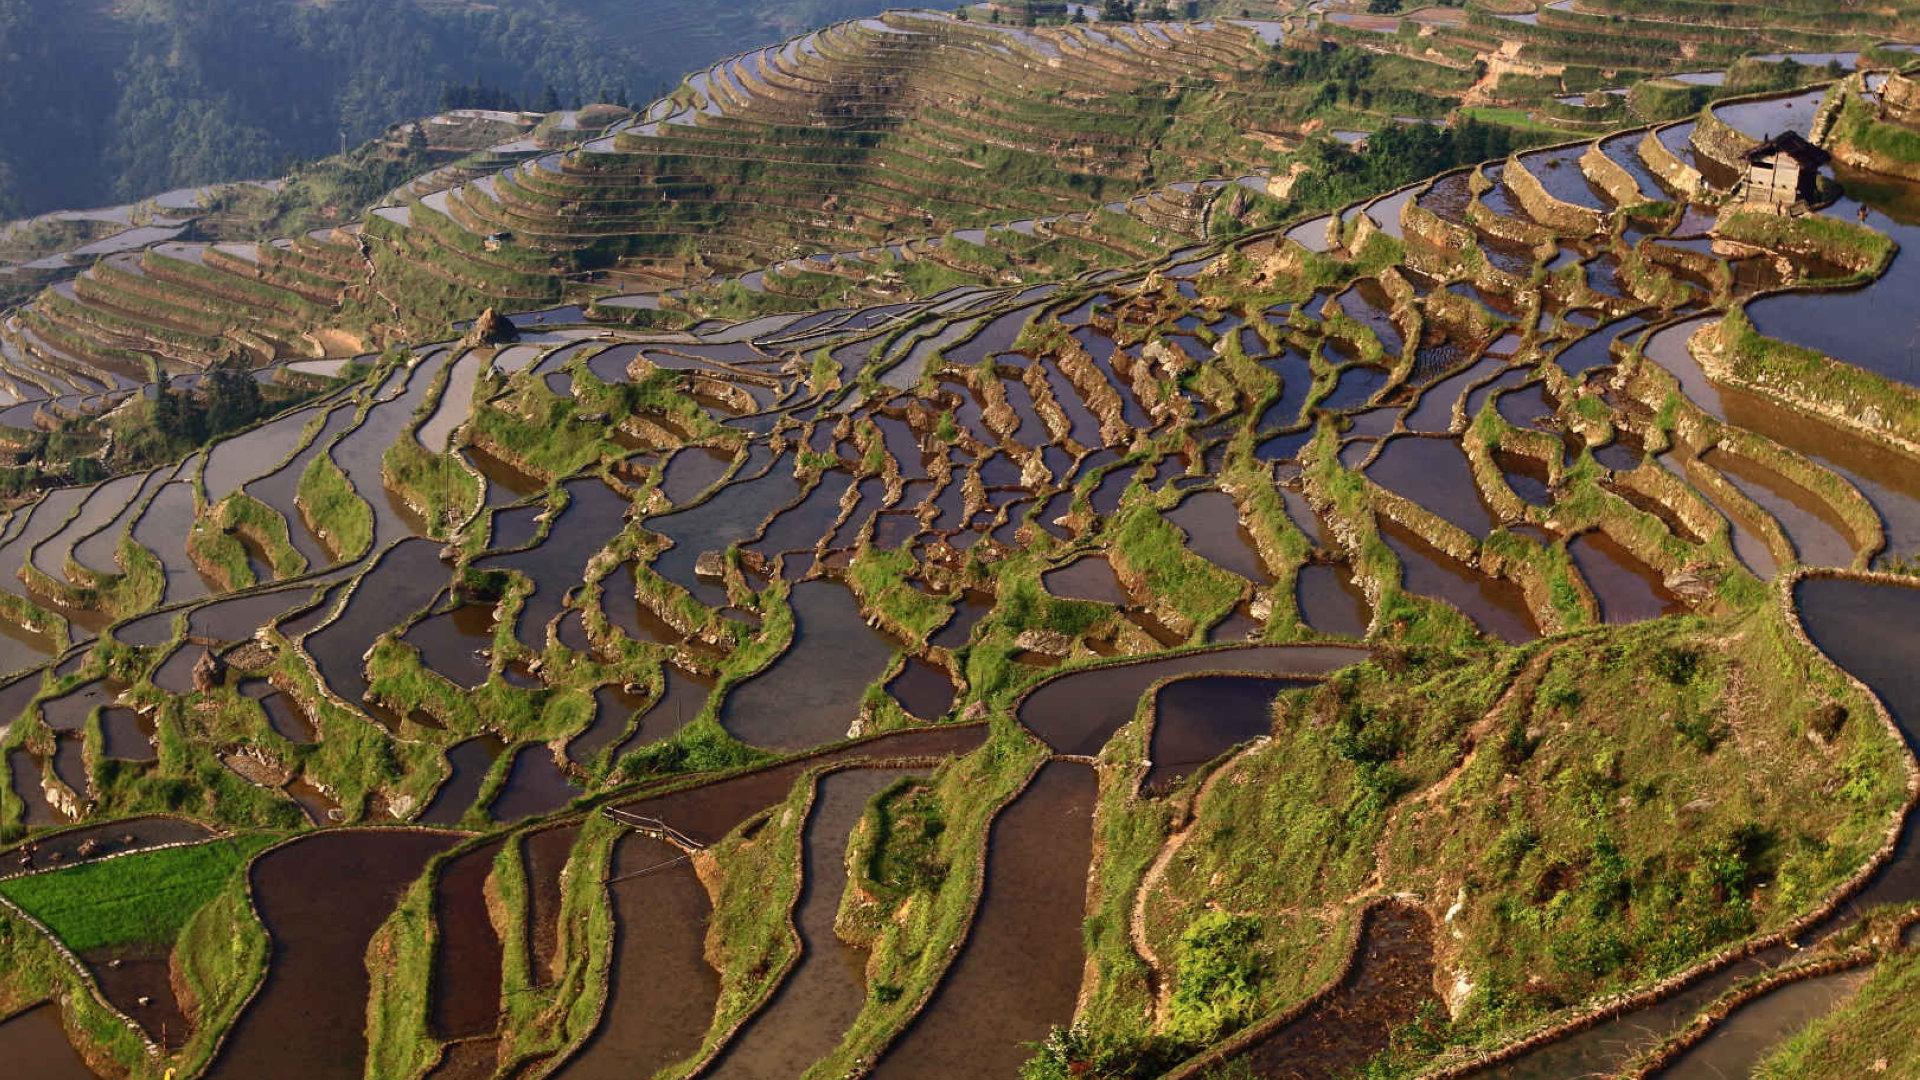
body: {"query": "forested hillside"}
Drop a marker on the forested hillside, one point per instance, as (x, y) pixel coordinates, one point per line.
(106, 102)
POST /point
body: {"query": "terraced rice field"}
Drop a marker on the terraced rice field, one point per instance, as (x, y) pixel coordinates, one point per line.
(882, 688)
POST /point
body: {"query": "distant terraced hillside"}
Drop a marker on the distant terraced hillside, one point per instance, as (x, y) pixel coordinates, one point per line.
(896, 156)
(863, 134)
(1437, 583)
(108, 102)
(1649, 36)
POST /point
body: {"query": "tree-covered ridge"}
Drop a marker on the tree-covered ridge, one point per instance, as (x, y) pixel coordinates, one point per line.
(103, 104)
(1193, 638)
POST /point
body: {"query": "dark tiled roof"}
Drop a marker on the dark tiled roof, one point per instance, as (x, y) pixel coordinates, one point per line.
(1794, 146)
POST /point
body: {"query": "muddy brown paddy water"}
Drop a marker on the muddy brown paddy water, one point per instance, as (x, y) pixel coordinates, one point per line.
(467, 765)
(1077, 712)
(535, 785)
(1196, 720)
(1211, 521)
(111, 838)
(321, 897)
(138, 981)
(811, 694)
(692, 471)
(661, 990)
(456, 643)
(35, 1045)
(922, 689)
(1818, 536)
(466, 956)
(679, 702)
(1019, 971)
(613, 709)
(1089, 577)
(1628, 590)
(594, 514)
(405, 581)
(1435, 474)
(1497, 606)
(1391, 980)
(817, 1002)
(544, 855)
(1329, 600)
(1755, 1030)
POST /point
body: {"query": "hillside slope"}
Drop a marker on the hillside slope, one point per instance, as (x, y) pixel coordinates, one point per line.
(107, 102)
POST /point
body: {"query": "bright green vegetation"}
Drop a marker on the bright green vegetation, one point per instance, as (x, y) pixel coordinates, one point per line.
(1809, 378)
(178, 421)
(750, 939)
(1521, 120)
(702, 746)
(554, 443)
(1220, 977)
(1022, 604)
(221, 955)
(323, 193)
(1191, 587)
(220, 555)
(881, 579)
(1881, 145)
(443, 491)
(248, 517)
(338, 514)
(36, 971)
(397, 1036)
(897, 852)
(143, 898)
(137, 587)
(1855, 247)
(1616, 740)
(916, 874)
(1580, 815)
(1534, 790)
(1395, 154)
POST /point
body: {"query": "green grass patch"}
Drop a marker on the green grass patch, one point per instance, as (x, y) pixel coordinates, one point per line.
(140, 898)
(882, 581)
(915, 868)
(1147, 544)
(256, 521)
(1855, 247)
(341, 518)
(1840, 388)
(437, 486)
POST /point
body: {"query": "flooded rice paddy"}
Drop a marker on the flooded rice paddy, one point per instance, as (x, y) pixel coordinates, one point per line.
(1019, 969)
(310, 1007)
(786, 564)
(817, 1001)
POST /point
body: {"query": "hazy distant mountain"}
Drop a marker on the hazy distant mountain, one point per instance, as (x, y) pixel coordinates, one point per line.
(103, 102)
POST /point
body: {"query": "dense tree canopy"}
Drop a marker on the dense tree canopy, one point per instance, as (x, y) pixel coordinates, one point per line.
(102, 104)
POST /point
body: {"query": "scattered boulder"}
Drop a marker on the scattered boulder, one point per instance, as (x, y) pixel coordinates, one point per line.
(208, 671)
(491, 328)
(1044, 642)
(254, 766)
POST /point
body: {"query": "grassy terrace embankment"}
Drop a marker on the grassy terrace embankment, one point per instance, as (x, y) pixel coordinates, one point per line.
(1585, 746)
